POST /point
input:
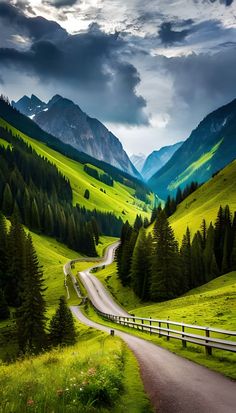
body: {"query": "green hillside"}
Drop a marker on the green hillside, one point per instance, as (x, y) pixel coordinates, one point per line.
(205, 305)
(119, 199)
(210, 147)
(205, 202)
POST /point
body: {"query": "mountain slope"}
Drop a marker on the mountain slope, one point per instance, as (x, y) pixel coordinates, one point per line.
(205, 202)
(210, 147)
(157, 159)
(65, 120)
(119, 198)
(138, 161)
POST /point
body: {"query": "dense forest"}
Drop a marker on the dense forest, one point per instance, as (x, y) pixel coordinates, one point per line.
(158, 269)
(41, 196)
(22, 289)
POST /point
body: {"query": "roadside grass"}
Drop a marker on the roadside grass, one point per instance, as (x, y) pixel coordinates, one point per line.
(98, 374)
(118, 199)
(221, 361)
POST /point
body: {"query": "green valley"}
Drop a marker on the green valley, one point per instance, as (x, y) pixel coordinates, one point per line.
(119, 199)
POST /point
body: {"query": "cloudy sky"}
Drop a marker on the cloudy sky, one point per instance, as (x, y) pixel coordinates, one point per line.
(150, 70)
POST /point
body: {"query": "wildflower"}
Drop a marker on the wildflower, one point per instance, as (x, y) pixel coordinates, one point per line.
(92, 371)
(30, 402)
(81, 389)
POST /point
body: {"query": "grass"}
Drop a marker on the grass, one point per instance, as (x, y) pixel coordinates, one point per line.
(118, 199)
(205, 202)
(98, 374)
(212, 304)
(185, 175)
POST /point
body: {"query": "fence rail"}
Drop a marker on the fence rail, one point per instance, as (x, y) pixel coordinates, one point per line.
(162, 329)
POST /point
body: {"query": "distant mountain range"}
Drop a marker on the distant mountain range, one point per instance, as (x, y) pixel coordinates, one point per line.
(157, 159)
(138, 160)
(64, 119)
(209, 148)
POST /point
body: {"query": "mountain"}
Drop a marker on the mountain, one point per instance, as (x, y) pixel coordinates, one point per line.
(157, 159)
(138, 161)
(210, 147)
(205, 202)
(110, 189)
(64, 119)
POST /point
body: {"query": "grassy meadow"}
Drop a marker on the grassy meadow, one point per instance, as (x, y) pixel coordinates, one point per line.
(98, 374)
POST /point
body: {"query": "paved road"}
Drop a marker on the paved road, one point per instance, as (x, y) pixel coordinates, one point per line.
(174, 384)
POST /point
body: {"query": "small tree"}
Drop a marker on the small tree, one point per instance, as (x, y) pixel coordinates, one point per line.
(86, 194)
(62, 329)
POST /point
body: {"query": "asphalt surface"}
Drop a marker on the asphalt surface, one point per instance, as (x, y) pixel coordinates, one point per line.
(174, 384)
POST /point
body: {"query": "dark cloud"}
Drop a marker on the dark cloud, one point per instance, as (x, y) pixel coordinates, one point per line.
(34, 27)
(169, 36)
(201, 83)
(225, 2)
(90, 63)
(60, 3)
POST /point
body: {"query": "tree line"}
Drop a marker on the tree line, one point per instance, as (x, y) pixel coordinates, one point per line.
(33, 188)
(102, 177)
(22, 288)
(158, 269)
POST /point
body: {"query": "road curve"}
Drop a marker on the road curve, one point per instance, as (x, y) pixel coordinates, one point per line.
(174, 384)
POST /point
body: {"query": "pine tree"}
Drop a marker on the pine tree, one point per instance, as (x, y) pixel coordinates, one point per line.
(140, 267)
(226, 252)
(3, 251)
(209, 253)
(219, 236)
(233, 255)
(31, 314)
(7, 201)
(204, 233)
(86, 194)
(35, 220)
(198, 271)
(165, 282)
(16, 241)
(185, 255)
(62, 329)
(4, 310)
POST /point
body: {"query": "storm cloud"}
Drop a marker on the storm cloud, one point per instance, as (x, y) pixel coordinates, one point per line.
(90, 61)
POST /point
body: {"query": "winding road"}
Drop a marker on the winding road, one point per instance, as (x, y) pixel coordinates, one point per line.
(174, 384)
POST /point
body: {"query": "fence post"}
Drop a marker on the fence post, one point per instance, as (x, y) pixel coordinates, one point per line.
(159, 328)
(208, 349)
(142, 324)
(150, 326)
(184, 343)
(167, 326)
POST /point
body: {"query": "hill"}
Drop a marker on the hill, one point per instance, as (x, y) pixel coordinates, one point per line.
(122, 198)
(157, 159)
(205, 202)
(64, 119)
(210, 147)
